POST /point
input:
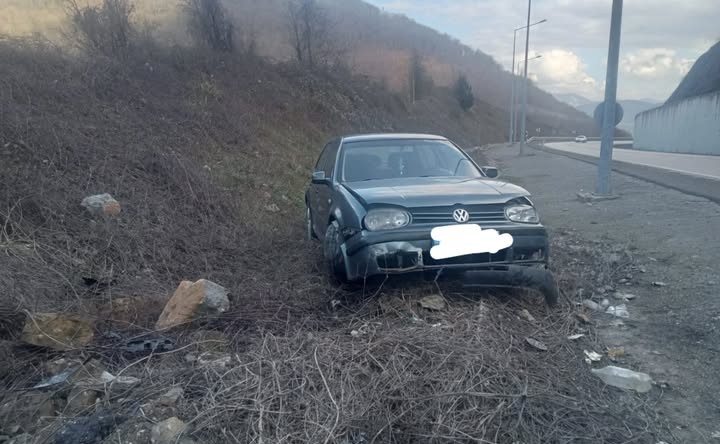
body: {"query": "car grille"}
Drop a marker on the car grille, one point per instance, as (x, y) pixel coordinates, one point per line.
(444, 215)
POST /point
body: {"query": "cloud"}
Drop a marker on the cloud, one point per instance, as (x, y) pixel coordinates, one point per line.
(562, 71)
(655, 63)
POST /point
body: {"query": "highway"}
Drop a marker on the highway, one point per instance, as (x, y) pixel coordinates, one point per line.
(697, 165)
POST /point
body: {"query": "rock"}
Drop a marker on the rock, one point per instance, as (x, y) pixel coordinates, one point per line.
(526, 315)
(101, 205)
(659, 284)
(81, 401)
(214, 359)
(433, 302)
(192, 300)
(132, 431)
(582, 317)
(591, 305)
(57, 331)
(605, 303)
(624, 296)
(536, 344)
(168, 431)
(273, 208)
(624, 378)
(619, 311)
(171, 397)
(615, 352)
(125, 310)
(87, 429)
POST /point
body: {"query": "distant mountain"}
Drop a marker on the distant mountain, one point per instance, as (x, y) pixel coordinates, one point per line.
(631, 108)
(573, 99)
(703, 77)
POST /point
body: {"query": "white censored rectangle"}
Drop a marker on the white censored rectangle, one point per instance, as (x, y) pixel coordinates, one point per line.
(460, 240)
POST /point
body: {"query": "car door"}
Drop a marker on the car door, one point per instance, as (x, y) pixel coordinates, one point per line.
(321, 192)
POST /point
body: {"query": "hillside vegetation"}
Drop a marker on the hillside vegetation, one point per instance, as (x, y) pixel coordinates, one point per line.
(367, 40)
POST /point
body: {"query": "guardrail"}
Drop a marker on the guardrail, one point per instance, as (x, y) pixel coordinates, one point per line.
(543, 139)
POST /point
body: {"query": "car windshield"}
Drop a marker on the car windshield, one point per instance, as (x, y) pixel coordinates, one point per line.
(392, 159)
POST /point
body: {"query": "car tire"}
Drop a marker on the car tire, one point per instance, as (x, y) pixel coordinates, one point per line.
(309, 224)
(550, 290)
(333, 254)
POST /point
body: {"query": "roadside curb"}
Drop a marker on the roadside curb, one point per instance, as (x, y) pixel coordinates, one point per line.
(694, 185)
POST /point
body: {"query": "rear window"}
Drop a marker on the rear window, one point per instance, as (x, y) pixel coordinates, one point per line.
(392, 159)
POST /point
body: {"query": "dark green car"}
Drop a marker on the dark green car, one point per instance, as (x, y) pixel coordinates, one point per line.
(399, 203)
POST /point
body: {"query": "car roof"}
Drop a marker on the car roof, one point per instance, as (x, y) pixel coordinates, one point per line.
(390, 136)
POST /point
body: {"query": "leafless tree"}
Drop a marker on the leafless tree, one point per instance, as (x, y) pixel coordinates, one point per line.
(310, 33)
(419, 81)
(209, 25)
(105, 29)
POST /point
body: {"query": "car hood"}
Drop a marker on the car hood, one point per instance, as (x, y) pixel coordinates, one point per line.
(434, 191)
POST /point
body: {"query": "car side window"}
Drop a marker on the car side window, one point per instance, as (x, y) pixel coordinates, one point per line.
(327, 158)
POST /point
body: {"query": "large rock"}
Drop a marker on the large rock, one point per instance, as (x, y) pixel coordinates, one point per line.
(168, 431)
(192, 300)
(101, 205)
(57, 331)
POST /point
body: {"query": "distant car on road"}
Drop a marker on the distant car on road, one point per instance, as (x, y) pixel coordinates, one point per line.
(397, 203)
(581, 139)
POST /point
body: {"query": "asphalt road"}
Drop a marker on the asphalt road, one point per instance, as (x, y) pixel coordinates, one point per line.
(689, 164)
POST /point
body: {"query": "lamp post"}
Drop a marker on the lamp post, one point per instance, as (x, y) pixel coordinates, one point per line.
(511, 138)
(514, 117)
(524, 109)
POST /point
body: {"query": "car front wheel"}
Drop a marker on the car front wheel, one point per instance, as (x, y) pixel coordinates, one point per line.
(333, 253)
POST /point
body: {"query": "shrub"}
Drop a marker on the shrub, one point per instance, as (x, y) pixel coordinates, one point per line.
(105, 29)
(463, 93)
(209, 25)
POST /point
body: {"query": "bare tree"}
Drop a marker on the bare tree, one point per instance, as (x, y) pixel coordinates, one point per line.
(310, 33)
(104, 29)
(419, 81)
(209, 25)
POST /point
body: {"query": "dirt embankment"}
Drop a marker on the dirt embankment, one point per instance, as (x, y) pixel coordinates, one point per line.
(208, 158)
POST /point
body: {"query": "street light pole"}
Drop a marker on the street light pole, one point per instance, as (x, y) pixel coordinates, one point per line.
(608, 126)
(513, 118)
(524, 109)
(511, 138)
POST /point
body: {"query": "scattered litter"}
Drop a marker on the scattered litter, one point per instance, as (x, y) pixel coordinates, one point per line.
(272, 208)
(576, 336)
(537, 344)
(615, 352)
(57, 379)
(354, 333)
(619, 310)
(605, 303)
(625, 379)
(592, 356)
(716, 434)
(433, 302)
(592, 305)
(526, 315)
(148, 345)
(659, 284)
(439, 324)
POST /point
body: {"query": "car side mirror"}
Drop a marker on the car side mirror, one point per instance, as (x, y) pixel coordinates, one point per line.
(491, 172)
(318, 178)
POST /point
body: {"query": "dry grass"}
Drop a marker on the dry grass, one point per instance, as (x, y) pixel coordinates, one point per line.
(145, 132)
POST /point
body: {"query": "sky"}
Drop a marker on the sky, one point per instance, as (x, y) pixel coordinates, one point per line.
(660, 39)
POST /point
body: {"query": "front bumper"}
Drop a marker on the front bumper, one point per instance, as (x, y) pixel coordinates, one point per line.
(407, 250)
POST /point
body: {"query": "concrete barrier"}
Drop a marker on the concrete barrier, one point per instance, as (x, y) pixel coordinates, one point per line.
(690, 126)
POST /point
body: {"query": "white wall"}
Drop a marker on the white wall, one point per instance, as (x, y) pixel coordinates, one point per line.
(689, 126)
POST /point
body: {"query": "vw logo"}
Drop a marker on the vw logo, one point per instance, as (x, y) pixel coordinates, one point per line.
(461, 215)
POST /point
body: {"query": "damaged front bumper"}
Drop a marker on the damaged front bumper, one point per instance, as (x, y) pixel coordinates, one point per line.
(408, 250)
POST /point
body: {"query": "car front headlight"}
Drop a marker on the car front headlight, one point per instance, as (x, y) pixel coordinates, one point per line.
(525, 214)
(386, 219)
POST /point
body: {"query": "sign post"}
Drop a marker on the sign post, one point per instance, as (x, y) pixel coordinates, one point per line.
(607, 134)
